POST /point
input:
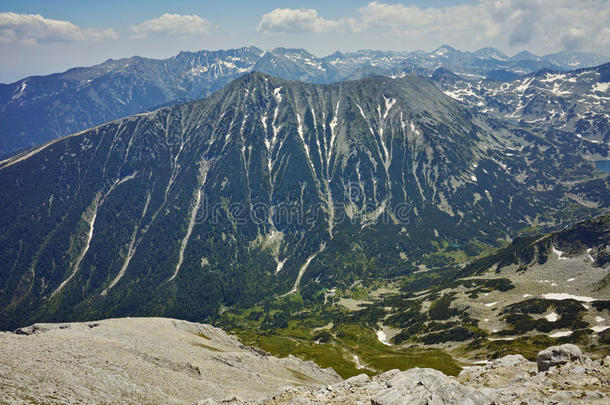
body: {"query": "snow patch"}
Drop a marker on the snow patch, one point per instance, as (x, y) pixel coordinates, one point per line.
(589, 254)
(550, 77)
(564, 296)
(381, 336)
(24, 84)
(277, 95)
(559, 253)
(359, 366)
(280, 264)
(601, 87)
(561, 334)
(552, 317)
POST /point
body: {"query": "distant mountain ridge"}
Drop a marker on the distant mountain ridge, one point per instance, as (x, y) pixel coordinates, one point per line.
(40, 108)
(572, 103)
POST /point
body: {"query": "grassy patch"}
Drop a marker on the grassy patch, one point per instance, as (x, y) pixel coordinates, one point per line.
(339, 344)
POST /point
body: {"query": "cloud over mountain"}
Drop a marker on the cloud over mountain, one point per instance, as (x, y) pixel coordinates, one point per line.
(32, 29)
(173, 25)
(300, 20)
(551, 24)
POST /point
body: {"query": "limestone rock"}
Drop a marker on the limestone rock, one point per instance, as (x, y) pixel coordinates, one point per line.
(142, 360)
(560, 355)
(510, 380)
(426, 386)
(156, 360)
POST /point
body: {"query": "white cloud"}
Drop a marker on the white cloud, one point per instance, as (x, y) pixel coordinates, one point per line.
(299, 20)
(173, 25)
(541, 25)
(33, 29)
(550, 24)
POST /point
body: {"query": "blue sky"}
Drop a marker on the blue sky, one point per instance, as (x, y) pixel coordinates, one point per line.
(40, 37)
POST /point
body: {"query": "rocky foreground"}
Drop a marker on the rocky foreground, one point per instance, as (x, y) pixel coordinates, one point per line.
(561, 375)
(157, 360)
(141, 361)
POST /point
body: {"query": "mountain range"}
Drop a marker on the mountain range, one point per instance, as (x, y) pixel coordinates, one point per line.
(573, 103)
(37, 109)
(271, 187)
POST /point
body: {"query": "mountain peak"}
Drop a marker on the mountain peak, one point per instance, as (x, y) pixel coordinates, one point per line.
(444, 50)
(489, 52)
(524, 55)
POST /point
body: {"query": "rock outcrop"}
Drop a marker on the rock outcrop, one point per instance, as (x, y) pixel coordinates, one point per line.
(509, 380)
(142, 361)
(157, 360)
(560, 355)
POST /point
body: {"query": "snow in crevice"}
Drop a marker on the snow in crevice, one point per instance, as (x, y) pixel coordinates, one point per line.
(333, 135)
(589, 254)
(559, 253)
(381, 336)
(203, 172)
(304, 268)
(24, 85)
(89, 216)
(359, 366)
(279, 265)
(389, 103)
(277, 95)
(130, 252)
(552, 317)
(361, 111)
(301, 134)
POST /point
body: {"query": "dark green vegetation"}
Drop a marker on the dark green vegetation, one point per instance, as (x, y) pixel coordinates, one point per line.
(527, 250)
(329, 335)
(432, 317)
(223, 202)
(520, 316)
(441, 322)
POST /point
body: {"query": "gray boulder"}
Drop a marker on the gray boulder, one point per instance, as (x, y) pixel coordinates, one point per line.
(512, 360)
(426, 386)
(559, 355)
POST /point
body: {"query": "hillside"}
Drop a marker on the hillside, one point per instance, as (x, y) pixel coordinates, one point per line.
(271, 186)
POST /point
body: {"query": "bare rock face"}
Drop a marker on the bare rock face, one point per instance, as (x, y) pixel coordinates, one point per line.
(142, 361)
(560, 355)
